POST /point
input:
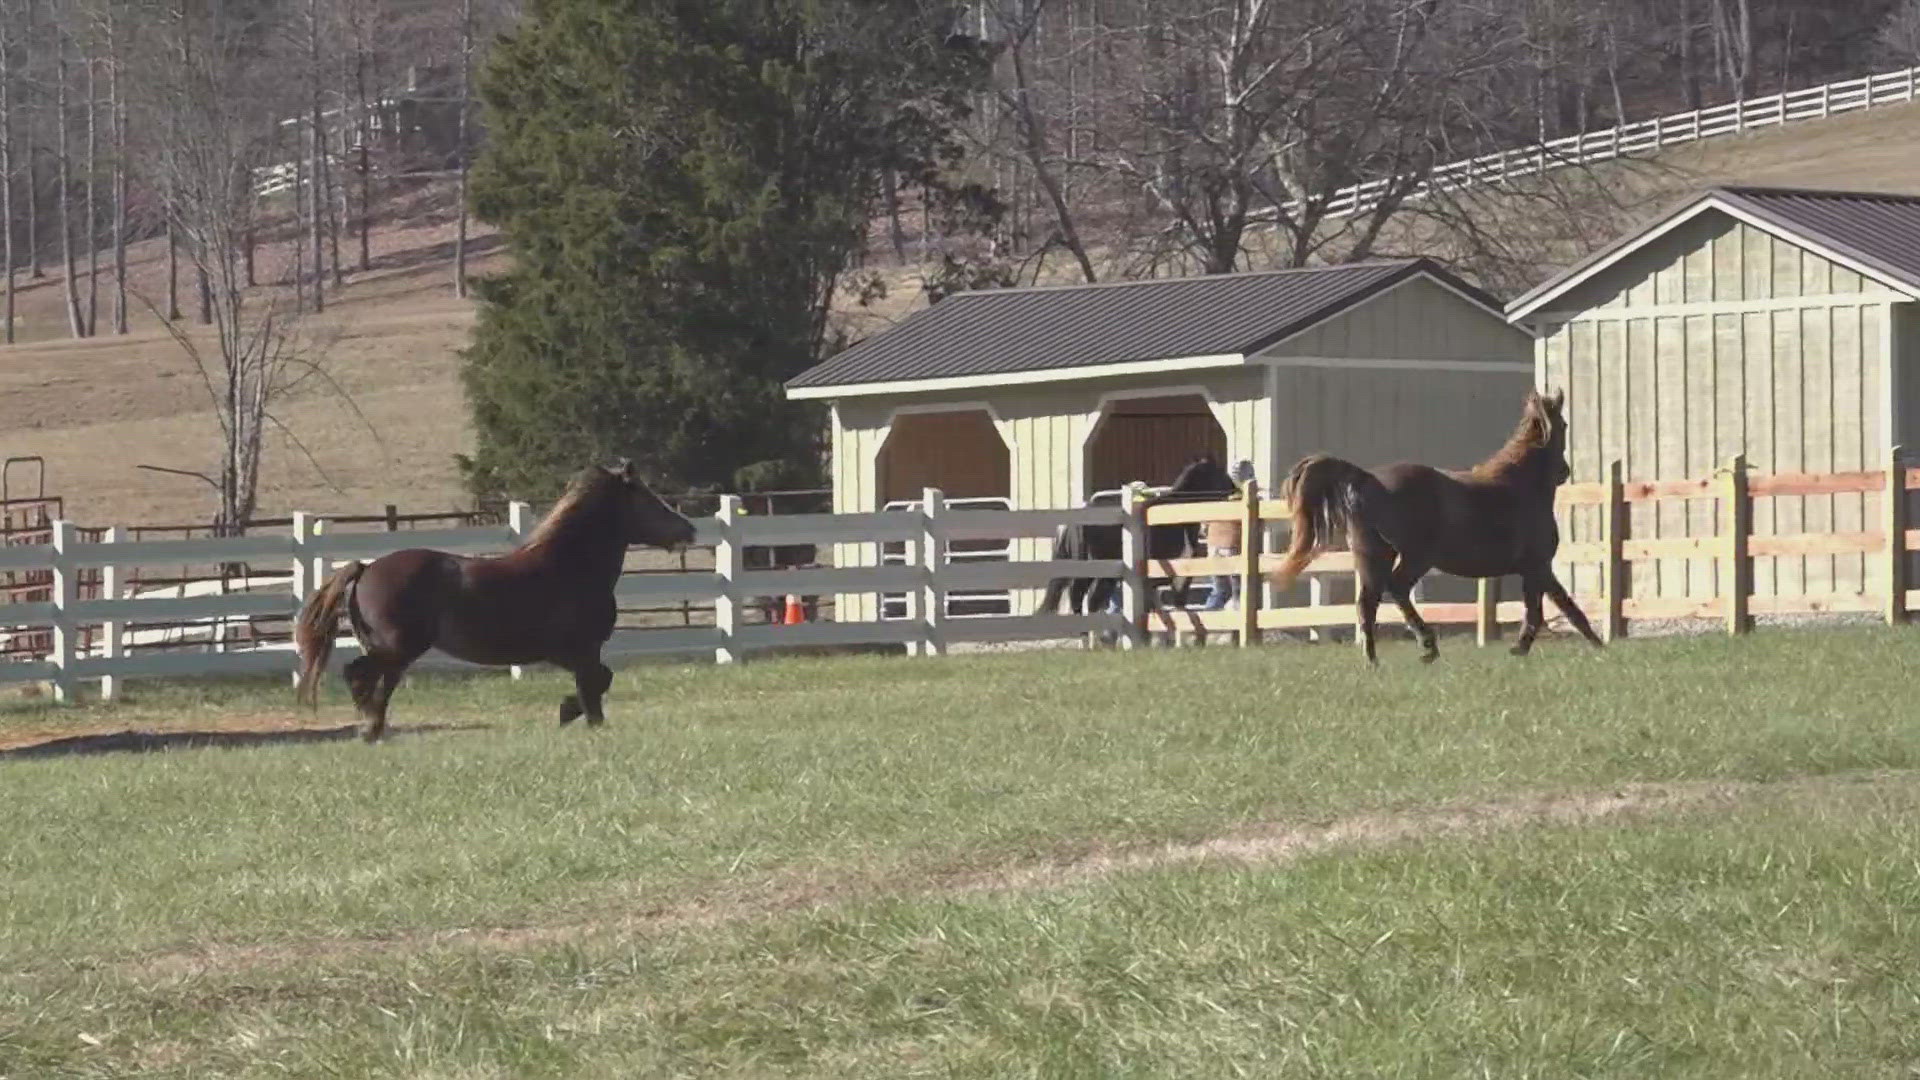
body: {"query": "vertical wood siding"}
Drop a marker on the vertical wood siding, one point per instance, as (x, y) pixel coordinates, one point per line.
(1693, 350)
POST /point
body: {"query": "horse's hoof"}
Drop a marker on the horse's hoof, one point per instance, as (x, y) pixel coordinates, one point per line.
(1519, 650)
(372, 735)
(570, 710)
(1429, 657)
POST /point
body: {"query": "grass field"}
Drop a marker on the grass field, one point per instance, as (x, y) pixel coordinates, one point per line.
(1680, 857)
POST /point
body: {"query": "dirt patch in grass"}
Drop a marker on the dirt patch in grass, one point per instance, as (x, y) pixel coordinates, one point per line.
(1275, 844)
(231, 731)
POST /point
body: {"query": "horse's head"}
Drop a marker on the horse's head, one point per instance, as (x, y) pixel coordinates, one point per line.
(1202, 476)
(645, 518)
(1545, 426)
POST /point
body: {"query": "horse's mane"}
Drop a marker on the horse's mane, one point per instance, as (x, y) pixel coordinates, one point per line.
(585, 493)
(1530, 435)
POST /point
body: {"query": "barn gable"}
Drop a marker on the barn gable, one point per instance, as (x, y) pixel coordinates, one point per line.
(1769, 323)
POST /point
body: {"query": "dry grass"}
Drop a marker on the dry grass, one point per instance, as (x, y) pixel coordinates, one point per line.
(94, 409)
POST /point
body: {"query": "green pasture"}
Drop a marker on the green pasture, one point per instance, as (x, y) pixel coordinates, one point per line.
(1679, 857)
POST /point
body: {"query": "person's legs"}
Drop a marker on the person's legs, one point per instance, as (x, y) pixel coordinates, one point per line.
(1224, 585)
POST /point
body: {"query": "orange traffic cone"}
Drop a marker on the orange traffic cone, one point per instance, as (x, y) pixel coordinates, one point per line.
(795, 614)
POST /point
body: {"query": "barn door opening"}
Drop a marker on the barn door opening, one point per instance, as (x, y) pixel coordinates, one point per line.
(1150, 440)
(962, 454)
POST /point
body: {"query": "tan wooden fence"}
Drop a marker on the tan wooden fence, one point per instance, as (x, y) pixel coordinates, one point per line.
(1731, 550)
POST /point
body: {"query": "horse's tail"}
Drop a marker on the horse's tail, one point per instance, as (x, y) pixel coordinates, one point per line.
(1063, 549)
(315, 626)
(1325, 492)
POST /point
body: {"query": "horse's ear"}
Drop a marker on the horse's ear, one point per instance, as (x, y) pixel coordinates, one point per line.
(1558, 399)
(622, 470)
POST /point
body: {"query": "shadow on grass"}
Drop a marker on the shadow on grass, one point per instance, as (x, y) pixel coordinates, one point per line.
(116, 742)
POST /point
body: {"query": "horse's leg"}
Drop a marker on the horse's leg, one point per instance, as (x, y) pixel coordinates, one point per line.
(363, 676)
(383, 694)
(591, 678)
(372, 679)
(1571, 610)
(1374, 575)
(591, 682)
(1533, 585)
(1077, 596)
(1405, 576)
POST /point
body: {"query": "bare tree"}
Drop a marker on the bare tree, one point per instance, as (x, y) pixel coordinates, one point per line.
(1014, 24)
(117, 111)
(30, 21)
(466, 106)
(93, 189)
(1899, 35)
(316, 171)
(6, 166)
(76, 324)
(220, 110)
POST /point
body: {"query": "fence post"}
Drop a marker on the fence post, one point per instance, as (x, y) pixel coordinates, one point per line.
(65, 633)
(727, 559)
(303, 583)
(1249, 564)
(1486, 616)
(1613, 574)
(1739, 517)
(1133, 552)
(304, 568)
(112, 631)
(519, 520)
(1893, 520)
(933, 555)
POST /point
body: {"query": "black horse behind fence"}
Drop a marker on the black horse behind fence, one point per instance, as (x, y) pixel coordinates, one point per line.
(1202, 478)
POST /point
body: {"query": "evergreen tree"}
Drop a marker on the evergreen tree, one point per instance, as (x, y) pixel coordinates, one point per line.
(682, 183)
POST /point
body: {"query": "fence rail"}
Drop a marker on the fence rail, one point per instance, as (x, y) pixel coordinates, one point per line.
(1731, 550)
(89, 634)
(1847, 95)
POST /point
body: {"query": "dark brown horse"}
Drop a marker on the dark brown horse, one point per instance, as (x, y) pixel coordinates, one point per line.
(1404, 520)
(1201, 478)
(550, 599)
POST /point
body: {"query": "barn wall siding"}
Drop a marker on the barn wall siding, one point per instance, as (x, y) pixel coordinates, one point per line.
(1721, 339)
(1417, 320)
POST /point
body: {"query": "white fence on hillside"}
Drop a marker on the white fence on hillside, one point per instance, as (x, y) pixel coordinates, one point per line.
(924, 578)
(1588, 147)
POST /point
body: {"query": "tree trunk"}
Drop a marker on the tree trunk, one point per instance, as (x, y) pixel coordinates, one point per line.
(75, 323)
(34, 271)
(466, 92)
(118, 112)
(173, 272)
(206, 298)
(316, 175)
(366, 137)
(93, 200)
(896, 232)
(6, 183)
(299, 223)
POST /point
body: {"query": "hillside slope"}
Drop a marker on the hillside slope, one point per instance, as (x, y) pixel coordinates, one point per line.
(95, 409)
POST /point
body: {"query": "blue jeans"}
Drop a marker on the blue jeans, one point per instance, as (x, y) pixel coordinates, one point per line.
(1225, 586)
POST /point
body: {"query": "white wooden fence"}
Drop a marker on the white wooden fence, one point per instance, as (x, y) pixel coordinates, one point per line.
(1587, 147)
(311, 552)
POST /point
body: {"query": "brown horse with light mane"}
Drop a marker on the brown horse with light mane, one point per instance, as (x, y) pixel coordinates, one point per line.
(1406, 519)
(549, 600)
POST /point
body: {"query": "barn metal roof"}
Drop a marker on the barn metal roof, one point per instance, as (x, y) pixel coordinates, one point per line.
(1045, 328)
(1879, 232)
